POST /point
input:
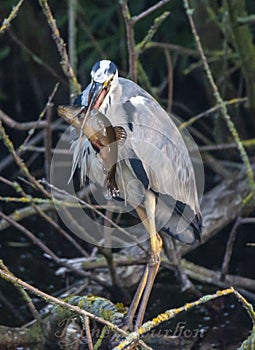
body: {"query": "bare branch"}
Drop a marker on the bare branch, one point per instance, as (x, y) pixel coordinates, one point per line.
(67, 68)
(36, 58)
(130, 41)
(72, 16)
(170, 80)
(21, 126)
(149, 10)
(7, 21)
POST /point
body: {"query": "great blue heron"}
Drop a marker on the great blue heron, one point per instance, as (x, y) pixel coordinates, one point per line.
(153, 153)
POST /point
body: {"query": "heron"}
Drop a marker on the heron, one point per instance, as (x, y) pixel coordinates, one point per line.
(153, 158)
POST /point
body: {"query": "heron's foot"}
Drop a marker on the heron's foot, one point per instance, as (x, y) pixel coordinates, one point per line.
(110, 188)
(110, 194)
(115, 192)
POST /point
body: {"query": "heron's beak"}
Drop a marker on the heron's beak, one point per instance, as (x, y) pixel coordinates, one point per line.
(97, 94)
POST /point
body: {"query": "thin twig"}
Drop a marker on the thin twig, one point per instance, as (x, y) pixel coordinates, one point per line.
(31, 236)
(72, 16)
(42, 246)
(21, 126)
(89, 206)
(246, 20)
(48, 141)
(149, 10)
(88, 333)
(23, 213)
(225, 146)
(60, 230)
(181, 49)
(248, 221)
(12, 308)
(87, 29)
(130, 40)
(211, 110)
(42, 150)
(25, 296)
(41, 116)
(61, 204)
(7, 21)
(215, 165)
(67, 68)
(246, 305)
(37, 59)
(16, 186)
(170, 80)
(57, 125)
(229, 249)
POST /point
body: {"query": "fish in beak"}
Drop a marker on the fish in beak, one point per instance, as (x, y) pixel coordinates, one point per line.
(103, 137)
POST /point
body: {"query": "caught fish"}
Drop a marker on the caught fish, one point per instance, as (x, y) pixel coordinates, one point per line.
(103, 137)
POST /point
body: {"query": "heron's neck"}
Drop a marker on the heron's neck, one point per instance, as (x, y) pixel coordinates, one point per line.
(110, 102)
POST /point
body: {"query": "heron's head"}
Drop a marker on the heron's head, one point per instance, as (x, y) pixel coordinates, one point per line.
(104, 78)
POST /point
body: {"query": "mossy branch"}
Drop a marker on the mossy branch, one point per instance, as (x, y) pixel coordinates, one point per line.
(249, 343)
(169, 314)
(50, 299)
(221, 102)
(77, 309)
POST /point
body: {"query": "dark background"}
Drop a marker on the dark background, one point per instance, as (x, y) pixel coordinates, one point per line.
(26, 83)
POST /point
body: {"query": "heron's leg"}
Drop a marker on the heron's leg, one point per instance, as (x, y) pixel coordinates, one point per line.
(139, 292)
(152, 273)
(154, 261)
(156, 246)
(153, 266)
(128, 324)
(144, 289)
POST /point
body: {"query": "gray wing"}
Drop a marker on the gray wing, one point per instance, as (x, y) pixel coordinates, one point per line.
(157, 143)
(157, 155)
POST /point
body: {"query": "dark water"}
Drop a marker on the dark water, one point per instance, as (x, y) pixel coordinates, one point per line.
(222, 325)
